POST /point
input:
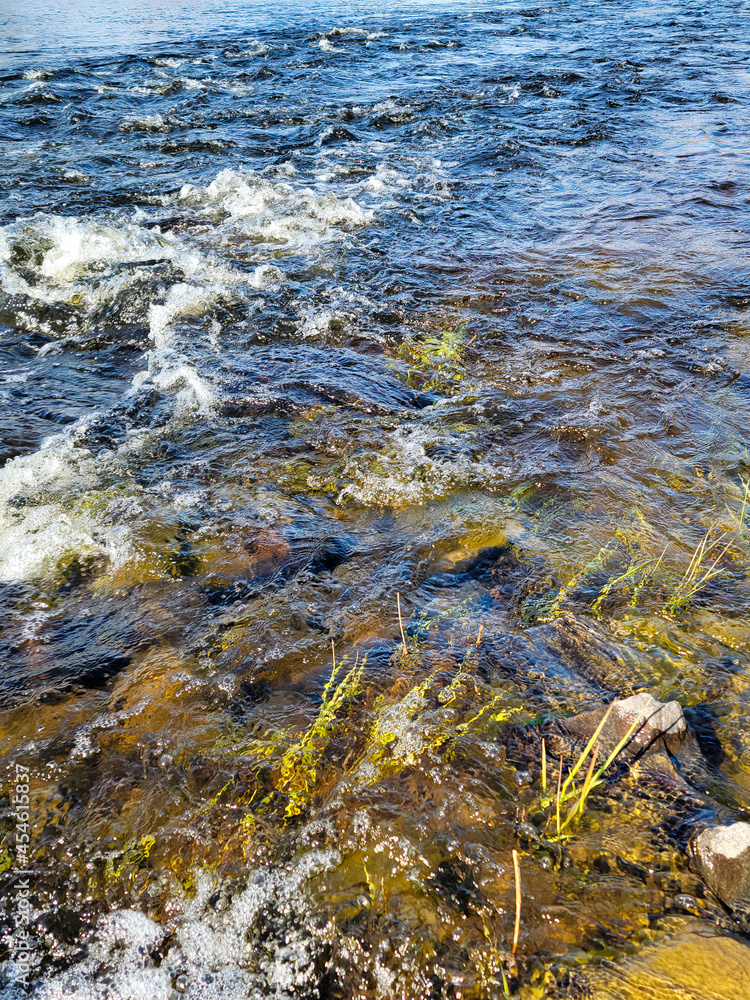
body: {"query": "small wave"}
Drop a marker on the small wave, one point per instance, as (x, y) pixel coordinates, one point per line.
(256, 49)
(54, 506)
(58, 259)
(405, 472)
(38, 74)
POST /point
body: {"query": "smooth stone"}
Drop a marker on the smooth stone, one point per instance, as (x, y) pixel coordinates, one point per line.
(722, 856)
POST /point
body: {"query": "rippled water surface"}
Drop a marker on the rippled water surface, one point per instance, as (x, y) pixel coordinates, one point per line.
(375, 397)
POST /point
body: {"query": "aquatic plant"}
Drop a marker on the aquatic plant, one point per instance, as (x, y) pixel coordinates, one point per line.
(490, 964)
(299, 768)
(517, 921)
(643, 564)
(699, 572)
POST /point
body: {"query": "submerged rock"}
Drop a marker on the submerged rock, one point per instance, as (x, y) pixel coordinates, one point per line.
(722, 856)
(695, 963)
(586, 649)
(81, 648)
(296, 379)
(238, 568)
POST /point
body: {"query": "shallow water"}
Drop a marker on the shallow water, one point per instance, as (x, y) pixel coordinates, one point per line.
(311, 312)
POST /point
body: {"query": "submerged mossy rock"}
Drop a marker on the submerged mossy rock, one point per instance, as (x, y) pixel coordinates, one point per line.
(721, 855)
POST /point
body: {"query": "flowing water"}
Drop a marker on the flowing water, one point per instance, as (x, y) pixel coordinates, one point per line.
(312, 314)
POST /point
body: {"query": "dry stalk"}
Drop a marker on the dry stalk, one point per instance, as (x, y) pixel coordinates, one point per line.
(401, 626)
(517, 927)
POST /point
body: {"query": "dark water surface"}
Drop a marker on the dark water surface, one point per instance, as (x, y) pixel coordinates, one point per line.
(308, 311)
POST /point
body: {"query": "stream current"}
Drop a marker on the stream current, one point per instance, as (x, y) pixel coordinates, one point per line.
(317, 321)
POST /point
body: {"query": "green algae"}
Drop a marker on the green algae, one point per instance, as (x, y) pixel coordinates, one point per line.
(434, 362)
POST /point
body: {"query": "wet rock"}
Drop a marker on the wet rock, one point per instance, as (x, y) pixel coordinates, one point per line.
(477, 560)
(83, 648)
(291, 380)
(721, 855)
(533, 663)
(157, 694)
(235, 567)
(235, 556)
(662, 726)
(331, 552)
(506, 569)
(206, 777)
(703, 727)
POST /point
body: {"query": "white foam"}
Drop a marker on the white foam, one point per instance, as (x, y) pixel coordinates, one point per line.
(35, 538)
(148, 123)
(257, 48)
(192, 392)
(391, 107)
(56, 259)
(41, 541)
(181, 300)
(209, 956)
(265, 276)
(387, 179)
(344, 307)
(273, 212)
(344, 32)
(72, 261)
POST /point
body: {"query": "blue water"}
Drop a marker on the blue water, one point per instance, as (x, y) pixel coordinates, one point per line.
(302, 307)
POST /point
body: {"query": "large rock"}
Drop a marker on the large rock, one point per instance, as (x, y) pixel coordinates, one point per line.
(662, 726)
(722, 856)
